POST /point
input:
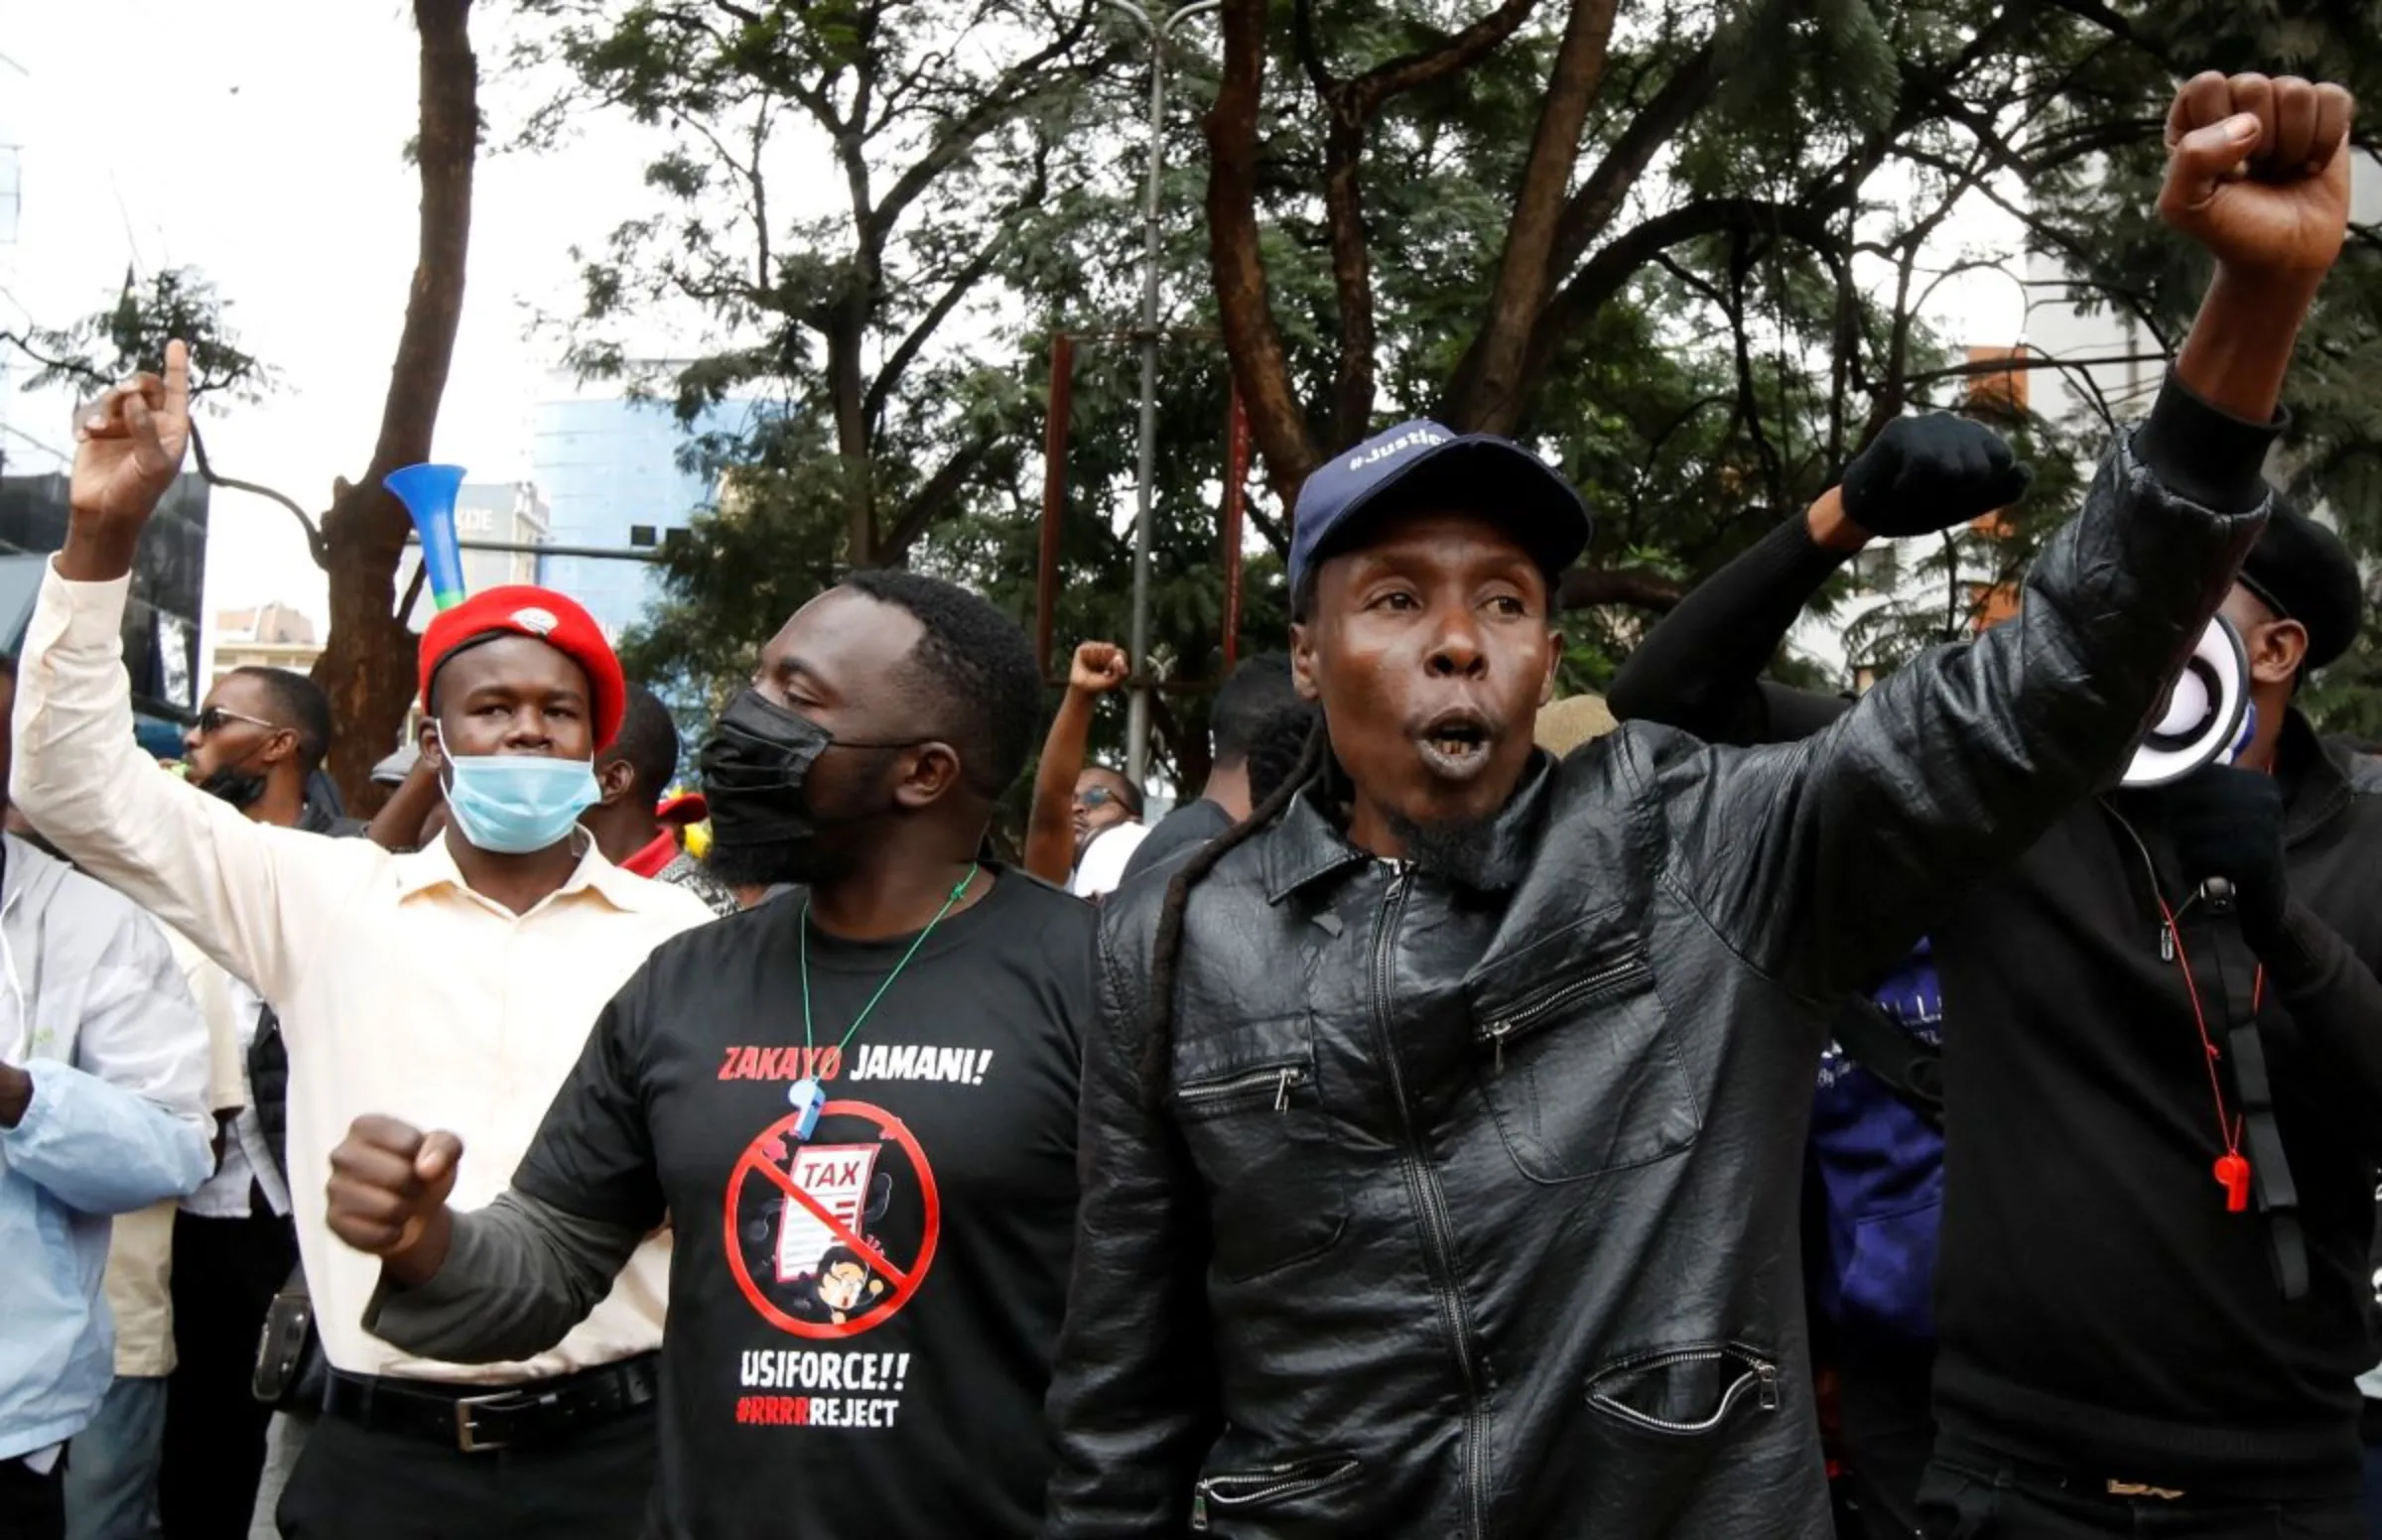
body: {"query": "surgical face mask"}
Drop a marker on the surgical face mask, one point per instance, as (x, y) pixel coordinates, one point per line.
(514, 804)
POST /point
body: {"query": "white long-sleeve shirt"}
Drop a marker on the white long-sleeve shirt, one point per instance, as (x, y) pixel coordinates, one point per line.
(400, 991)
(94, 1010)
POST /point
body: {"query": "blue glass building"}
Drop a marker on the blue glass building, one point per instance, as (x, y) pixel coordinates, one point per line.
(603, 466)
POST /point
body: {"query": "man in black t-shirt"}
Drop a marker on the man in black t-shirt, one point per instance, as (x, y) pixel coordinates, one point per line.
(1258, 690)
(854, 1105)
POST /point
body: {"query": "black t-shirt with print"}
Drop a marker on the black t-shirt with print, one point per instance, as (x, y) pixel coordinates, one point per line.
(861, 1324)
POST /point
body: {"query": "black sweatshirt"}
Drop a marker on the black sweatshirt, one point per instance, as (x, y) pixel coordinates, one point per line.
(2099, 1309)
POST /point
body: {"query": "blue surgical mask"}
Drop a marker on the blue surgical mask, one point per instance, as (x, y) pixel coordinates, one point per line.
(514, 804)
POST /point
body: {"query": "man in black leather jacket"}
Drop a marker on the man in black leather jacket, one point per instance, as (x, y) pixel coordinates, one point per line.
(1442, 1144)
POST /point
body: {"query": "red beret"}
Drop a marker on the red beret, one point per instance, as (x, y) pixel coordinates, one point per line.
(519, 609)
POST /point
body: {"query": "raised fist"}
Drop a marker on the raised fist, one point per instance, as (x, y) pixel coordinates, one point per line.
(1932, 472)
(128, 447)
(2258, 170)
(388, 1182)
(1099, 668)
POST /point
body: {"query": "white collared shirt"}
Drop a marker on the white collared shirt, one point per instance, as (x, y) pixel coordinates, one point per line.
(248, 1158)
(400, 989)
(1102, 867)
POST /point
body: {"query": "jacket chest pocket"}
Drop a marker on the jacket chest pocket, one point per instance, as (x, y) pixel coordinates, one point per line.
(1250, 1103)
(1577, 1065)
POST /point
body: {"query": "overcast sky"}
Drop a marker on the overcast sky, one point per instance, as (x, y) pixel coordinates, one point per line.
(260, 141)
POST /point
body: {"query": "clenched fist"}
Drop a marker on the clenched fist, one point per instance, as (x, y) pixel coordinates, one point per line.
(2258, 170)
(388, 1190)
(1099, 668)
(1927, 473)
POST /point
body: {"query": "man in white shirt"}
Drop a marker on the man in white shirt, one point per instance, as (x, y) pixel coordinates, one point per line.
(112, 1466)
(453, 985)
(1107, 830)
(103, 1112)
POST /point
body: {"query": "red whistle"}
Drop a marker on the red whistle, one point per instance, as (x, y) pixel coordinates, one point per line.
(2234, 1175)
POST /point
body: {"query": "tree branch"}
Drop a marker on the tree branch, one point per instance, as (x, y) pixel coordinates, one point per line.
(1349, 107)
(1459, 52)
(445, 147)
(1253, 343)
(305, 521)
(1490, 398)
(933, 500)
(1609, 271)
(1020, 81)
(413, 595)
(1657, 124)
(889, 374)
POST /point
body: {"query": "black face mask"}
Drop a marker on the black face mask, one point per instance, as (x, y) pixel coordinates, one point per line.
(243, 789)
(755, 766)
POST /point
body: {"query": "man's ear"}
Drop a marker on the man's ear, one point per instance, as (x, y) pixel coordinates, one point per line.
(282, 747)
(615, 779)
(933, 773)
(427, 744)
(2275, 650)
(1302, 662)
(1554, 665)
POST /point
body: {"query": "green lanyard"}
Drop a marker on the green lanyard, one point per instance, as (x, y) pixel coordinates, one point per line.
(807, 1041)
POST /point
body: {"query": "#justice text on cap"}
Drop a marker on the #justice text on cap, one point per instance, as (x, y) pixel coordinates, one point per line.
(1421, 462)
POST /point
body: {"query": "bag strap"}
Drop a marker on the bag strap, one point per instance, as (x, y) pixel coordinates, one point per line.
(1909, 1067)
(2236, 970)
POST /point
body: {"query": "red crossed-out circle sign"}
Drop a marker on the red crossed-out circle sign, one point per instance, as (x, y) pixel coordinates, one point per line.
(904, 1281)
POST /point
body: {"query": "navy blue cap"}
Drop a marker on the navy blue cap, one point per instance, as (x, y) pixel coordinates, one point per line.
(1472, 473)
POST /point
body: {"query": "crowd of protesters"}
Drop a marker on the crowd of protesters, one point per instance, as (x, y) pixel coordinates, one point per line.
(1713, 1110)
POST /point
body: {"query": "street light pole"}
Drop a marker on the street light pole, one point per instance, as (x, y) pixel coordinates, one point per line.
(1161, 26)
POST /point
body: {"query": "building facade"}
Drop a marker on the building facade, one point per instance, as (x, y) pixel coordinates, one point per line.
(169, 576)
(270, 636)
(610, 468)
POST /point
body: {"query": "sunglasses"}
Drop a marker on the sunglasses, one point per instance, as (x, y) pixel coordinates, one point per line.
(1096, 797)
(212, 721)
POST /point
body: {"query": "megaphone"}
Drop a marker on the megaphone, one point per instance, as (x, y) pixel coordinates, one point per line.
(428, 492)
(2207, 719)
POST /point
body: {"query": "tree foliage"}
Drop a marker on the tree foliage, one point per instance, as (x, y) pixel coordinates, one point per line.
(1683, 248)
(87, 355)
(367, 666)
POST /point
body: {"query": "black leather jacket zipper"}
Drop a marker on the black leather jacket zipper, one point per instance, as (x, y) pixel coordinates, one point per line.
(1275, 1081)
(1533, 1011)
(1430, 1200)
(1267, 1484)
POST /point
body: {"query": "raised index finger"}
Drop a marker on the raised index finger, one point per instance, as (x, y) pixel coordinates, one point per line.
(177, 379)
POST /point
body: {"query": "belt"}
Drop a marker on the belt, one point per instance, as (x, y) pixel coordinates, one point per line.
(1987, 1463)
(480, 1419)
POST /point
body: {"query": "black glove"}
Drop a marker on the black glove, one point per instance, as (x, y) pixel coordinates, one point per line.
(1929, 473)
(2227, 822)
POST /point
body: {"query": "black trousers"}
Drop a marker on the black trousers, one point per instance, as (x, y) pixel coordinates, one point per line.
(33, 1505)
(1889, 1434)
(225, 1274)
(354, 1483)
(1976, 1494)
